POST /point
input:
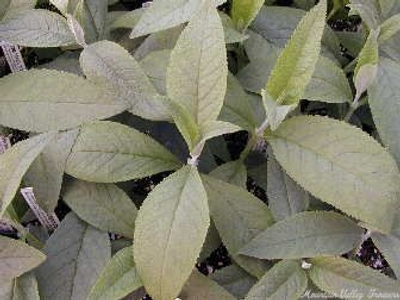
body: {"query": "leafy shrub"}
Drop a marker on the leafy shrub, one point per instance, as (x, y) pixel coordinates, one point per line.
(155, 96)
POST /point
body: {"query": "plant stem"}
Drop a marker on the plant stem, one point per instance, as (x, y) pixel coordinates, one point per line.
(350, 112)
(250, 145)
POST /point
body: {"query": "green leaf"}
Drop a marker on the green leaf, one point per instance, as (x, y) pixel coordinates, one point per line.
(328, 84)
(285, 197)
(91, 14)
(111, 152)
(43, 100)
(76, 254)
(286, 280)
(36, 28)
(197, 74)
(275, 113)
(127, 19)
(108, 64)
(243, 12)
(118, 279)
(236, 108)
(231, 34)
(46, 173)
(383, 98)
(62, 5)
(172, 222)
(233, 172)
(14, 163)
(388, 245)
(296, 63)
(104, 206)
(228, 202)
(3, 7)
(235, 280)
(341, 165)
(366, 68)
(306, 234)
(155, 66)
(199, 286)
(164, 14)
(16, 258)
(24, 287)
(389, 28)
(335, 275)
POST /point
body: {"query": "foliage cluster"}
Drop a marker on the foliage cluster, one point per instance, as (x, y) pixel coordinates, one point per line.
(157, 92)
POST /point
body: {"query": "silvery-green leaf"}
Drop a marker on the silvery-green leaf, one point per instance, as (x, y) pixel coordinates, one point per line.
(233, 172)
(229, 202)
(43, 100)
(62, 5)
(108, 64)
(285, 280)
(199, 286)
(76, 255)
(244, 11)
(197, 73)
(111, 152)
(14, 163)
(127, 19)
(118, 279)
(276, 113)
(155, 66)
(104, 206)
(335, 275)
(367, 64)
(46, 173)
(296, 63)
(328, 84)
(170, 230)
(235, 280)
(91, 14)
(236, 108)
(36, 28)
(17, 257)
(3, 7)
(164, 14)
(389, 28)
(285, 196)
(232, 35)
(306, 234)
(383, 98)
(66, 62)
(77, 30)
(24, 287)
(388, 245)
(162, 40)
(341, 165)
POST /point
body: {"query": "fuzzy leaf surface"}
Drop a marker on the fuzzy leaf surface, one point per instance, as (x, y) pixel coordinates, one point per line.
(104, 206)
(110, 152)
(24, 287)
(228, 202)
(341, 165)
(164, 14)
(285, 196)
(46, 173)
(108, 64)
(286, 280)
(306, 234)
(17, 257)
(170, 230)
(199, 286)
(14, 163)
(43, 100)
(76, 255)
(296, 64)
(197, 74)
(384, 101)
(36, 28)
(334, 274)
(118, 279)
